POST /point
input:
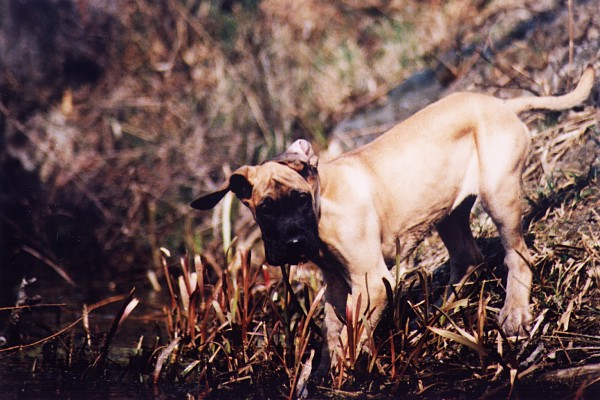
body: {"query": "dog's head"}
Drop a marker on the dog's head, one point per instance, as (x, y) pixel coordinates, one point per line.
(283, 195)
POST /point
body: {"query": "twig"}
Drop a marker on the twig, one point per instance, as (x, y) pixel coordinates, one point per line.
(32, 306)
(520, 375)
(571, 373)
(71, 325)
(57, 268)
(24, 346)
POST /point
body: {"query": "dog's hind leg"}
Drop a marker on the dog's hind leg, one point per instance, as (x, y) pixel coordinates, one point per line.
(515, 315)
(455, 232)
(500, 192)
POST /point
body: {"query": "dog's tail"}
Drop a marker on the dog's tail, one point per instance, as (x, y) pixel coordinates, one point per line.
(569, 100)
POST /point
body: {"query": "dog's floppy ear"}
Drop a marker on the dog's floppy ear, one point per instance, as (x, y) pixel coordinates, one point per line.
(301, 157)
(238, 183)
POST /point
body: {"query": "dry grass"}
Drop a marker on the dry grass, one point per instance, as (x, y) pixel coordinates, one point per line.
(196, 86)
(199, 88)
(421, 350)
(454, 349)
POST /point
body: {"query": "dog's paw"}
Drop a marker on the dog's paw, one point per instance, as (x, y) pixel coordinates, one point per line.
(515, 321)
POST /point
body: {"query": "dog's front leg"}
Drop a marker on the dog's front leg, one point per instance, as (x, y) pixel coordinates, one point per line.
(370, 288)
(336, 293)
(368, 285)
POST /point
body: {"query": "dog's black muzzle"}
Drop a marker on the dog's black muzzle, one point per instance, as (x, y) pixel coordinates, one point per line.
(290, 241)
(290, 248)
(289, 228)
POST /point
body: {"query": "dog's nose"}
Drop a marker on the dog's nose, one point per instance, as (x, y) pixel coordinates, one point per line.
(296, 243)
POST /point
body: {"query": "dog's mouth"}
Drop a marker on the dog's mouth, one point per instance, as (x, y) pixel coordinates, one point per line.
(292, 259)
(291, 241)
(291, 252)
(298, 260)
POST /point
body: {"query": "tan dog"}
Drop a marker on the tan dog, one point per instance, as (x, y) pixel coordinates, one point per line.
(347, 214)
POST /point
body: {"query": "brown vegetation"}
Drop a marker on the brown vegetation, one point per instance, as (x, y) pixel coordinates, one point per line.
(184, 91)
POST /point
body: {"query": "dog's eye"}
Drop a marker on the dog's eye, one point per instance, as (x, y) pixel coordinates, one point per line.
(304, 200)
(266, 207)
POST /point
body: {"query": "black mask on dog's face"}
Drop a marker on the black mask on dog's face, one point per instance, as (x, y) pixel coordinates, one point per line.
(283, 195)
(289, 227)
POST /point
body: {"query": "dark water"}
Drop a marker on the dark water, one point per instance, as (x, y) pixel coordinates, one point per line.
(46, 371)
